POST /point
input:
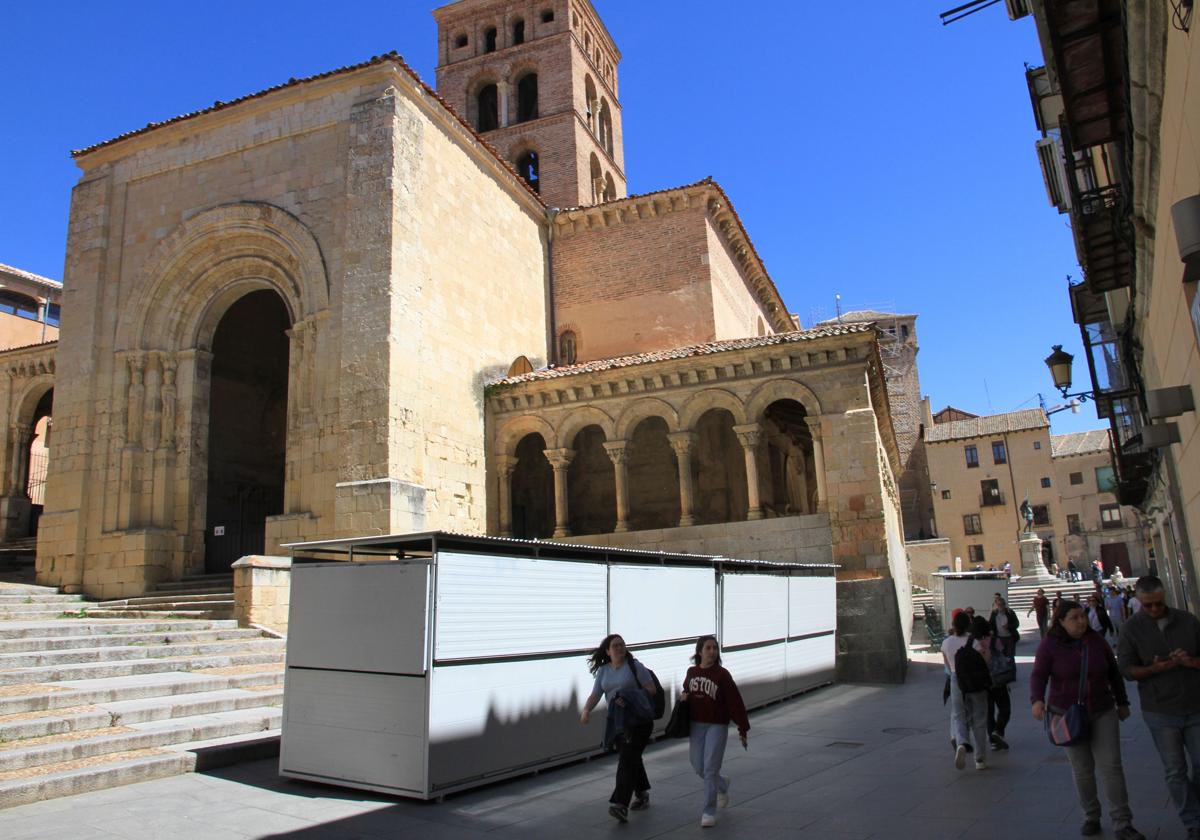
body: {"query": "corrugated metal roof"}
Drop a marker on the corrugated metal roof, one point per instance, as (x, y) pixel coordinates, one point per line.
(991, 424)
(1080, 443)
(685, 352)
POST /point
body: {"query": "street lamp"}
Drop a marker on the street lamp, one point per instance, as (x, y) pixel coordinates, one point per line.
(1059, 361)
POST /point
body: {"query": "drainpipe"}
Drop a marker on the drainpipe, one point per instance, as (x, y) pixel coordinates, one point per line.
(551, 348)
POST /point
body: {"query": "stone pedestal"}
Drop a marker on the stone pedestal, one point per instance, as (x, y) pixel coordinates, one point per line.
(1032, 567)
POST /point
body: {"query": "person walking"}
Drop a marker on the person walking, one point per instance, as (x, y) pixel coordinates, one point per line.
(1097, 616)
(1097, 573)
(960, 626)
(1004, 625)
(972, 673)
(1114, 604)
(1160, 651)
(713, 701)
(627, 687)
(1003, 669)
(1041, 606)
(1054, 686)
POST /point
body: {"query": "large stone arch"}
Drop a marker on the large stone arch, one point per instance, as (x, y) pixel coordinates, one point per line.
(512, 432)
(25, 401)
(639, 410)
(781, 389)
(213, 259)
(699, 403)
(580, 418)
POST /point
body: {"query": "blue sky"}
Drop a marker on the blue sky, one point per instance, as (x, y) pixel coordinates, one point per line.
(871, 152)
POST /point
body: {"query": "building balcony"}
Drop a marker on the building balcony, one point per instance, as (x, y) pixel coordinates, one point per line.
(993, 499)
(1103, 238)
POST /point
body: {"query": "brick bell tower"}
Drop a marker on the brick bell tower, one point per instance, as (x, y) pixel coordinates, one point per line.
(538, 79)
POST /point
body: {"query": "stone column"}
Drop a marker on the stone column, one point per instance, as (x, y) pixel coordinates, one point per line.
(750, 436)
(505, 466)
(18, 478)
(502, 96)
(683, 443)
(617, 450)
(560, 460)
(814, 427)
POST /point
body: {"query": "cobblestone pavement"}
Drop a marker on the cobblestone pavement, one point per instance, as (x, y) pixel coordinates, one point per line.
(847, 761)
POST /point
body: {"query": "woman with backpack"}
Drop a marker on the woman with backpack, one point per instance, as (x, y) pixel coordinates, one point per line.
(628, 687)
(960, 624)
(972, 673)
(713, 701)
(1004, 671)
(1075, 666)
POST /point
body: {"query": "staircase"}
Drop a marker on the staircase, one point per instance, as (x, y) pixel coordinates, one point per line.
(88, 703)
(1020, 596)
(199, 596)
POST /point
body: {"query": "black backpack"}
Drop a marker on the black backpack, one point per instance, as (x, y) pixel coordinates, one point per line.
(971, 669)
(659, 699)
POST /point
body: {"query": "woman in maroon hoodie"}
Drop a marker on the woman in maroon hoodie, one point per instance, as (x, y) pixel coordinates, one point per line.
(1059, 662)
(713, 700)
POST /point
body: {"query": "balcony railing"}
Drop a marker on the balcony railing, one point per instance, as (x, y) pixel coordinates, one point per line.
(991, 499)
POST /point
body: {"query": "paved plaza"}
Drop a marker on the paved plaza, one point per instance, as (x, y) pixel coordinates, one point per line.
(846, 761)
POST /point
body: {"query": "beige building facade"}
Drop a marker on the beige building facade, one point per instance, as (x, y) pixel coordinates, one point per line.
(1120, 150)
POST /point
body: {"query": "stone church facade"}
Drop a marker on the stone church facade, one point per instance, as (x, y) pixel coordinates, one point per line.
(353, 305)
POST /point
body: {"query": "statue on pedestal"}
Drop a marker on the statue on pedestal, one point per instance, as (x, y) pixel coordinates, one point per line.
(1026, 511)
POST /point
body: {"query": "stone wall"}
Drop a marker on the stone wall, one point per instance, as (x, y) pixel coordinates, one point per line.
(262, 591)
(925, 557)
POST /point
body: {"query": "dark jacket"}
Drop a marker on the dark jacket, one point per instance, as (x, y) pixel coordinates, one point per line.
(1058, 664)
(1013, 624)
(1105, 620)
(637, 711)
(1173, 692)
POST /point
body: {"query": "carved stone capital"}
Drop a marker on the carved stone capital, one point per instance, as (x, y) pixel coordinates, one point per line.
(505, 464)
(750, 435)
(682, 442)
(560, 459)
(617, 451)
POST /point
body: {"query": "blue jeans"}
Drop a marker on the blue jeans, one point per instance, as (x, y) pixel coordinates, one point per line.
(708, 751)
(1173, 735)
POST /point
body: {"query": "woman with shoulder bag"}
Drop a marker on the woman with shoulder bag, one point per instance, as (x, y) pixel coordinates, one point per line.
(1004, 671)
(713, 701)
(1078, 667)
(627, 686)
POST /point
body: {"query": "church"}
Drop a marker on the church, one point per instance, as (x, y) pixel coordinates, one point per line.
(354, 304)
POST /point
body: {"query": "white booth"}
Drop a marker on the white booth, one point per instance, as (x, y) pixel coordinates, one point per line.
(959, 590)
(439, 662)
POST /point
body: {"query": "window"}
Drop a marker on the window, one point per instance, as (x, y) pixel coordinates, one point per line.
(945, 494)
(489, 40)
(527, 168)
(972, 456)
(548, 16)
(1075, 478)
(527, 98)
(1045, 481)
(975, 554)
(1037, 444)
(971, 524)
(999, 453)
(489, 110)
(1110, 516)
(12, 303)
(1041, 515)
(461, 41)
(1073, 524)
(518, 32)
(53, 314)
(606, 129)
(566, 348)
(990, 493)
(1106, 480)
(904, 330)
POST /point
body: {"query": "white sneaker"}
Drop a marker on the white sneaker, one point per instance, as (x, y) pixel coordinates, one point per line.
(707, 820)
(980, 764)
(960, 757)
(723, 796)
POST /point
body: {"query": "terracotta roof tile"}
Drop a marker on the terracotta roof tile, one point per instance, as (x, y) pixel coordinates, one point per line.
(29, 346)
(30, 276)
(1080, 443)
(864, 315)
(685, 352)
(393, 57)
(991, 424)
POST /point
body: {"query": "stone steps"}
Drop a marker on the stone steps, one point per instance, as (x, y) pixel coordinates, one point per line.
(1020, 596)
(211, 613)
(88, 703)
(168, 599)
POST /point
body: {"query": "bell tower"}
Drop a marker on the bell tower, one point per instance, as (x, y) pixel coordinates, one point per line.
(538, 79)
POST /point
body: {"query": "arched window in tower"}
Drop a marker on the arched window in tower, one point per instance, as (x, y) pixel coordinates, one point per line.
(589, 103)
(610, 188)
(606, 129)
(461, 40)
(527, 168)
(568, 350)
(518, 30)
(548, 16)
(527, 98)
(489, 40)
(597, 177)
(488, 101)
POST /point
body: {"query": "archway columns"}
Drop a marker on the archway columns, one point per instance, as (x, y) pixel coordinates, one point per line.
(814, 427)
(684, 443)
(560, 460)
(750, 436)
(618, 451)
(505, 466)
(502, 94)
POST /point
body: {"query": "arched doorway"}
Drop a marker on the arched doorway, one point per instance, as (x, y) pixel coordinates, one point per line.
(532, 490)
(789, 486)
(247, 428)
(591, 485)
(38, 459)
(719, 467)
(653, 477)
